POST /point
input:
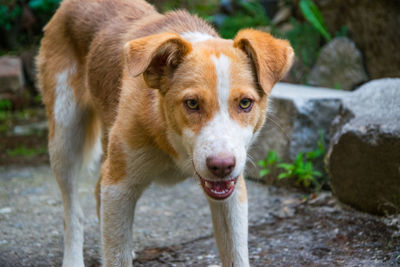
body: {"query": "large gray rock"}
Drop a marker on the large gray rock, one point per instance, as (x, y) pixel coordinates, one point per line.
(339, 65)
(296, 115)
(364, 155)
(374, 27)
(11, 74)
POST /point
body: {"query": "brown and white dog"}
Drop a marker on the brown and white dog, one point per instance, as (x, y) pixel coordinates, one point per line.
(163, 97)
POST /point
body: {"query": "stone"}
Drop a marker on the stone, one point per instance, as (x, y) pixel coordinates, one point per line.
(339, 65)
(11, 74)
(297, 72)
(31, 128)
(364, 153)
(29, 66)
(296, 115)
(373, 26)
(282, 15)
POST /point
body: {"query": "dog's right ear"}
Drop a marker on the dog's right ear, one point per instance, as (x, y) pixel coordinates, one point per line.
(156, 57)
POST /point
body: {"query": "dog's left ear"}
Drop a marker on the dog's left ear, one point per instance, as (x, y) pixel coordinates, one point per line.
(156, 57)
(271, 57)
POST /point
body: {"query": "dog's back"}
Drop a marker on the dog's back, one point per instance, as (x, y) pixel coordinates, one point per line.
(77, 28)
(86, 37)
(163, 92)
(80, 67)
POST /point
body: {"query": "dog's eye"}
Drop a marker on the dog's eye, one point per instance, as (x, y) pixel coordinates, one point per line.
(245, 104)
(192, 104)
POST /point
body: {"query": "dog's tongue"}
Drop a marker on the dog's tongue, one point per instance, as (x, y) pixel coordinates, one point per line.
(218, 190)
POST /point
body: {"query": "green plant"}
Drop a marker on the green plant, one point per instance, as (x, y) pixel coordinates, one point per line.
(268, 163)
(5, 104)
(342, 32)
(26, 152)
(44, 9)
(10, 11)
(314, 16)
(302, 169)
(47, 6)
(305, 40)
(252, 14)
(202, 8)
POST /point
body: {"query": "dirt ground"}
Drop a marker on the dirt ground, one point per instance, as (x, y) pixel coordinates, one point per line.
(173, 226)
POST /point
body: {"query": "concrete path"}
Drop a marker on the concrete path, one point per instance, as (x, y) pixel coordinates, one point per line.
(173, 226)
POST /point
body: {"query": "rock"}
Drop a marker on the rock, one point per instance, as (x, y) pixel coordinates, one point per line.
(374, 27)
(11, 75)
(285, 27)
(364, 154)
(296, 115)
(297, 72)
(5, 210)
(282, 15)
(30, 128)
(339, 66)
(29, 67)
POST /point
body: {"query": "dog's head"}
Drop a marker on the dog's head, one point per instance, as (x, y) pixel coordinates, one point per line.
(213, 96)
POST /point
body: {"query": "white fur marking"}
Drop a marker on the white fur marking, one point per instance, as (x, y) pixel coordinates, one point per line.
(231, 229)
(195, 37)
(222, 65)
(65, 104)
(222, 134)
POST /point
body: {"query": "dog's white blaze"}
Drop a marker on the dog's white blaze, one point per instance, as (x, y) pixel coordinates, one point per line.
(195, 37)
(222, 134)
(222, 65)
(65, 104)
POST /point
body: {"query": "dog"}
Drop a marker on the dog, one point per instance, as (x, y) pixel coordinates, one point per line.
(153, 98)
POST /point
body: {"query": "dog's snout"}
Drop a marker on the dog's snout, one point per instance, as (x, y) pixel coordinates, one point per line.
(221, 166)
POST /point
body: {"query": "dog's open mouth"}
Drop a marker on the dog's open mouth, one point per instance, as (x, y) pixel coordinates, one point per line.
(218, 190)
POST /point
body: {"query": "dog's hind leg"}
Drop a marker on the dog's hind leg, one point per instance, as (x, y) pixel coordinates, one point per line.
(231, 227)
(71, 128)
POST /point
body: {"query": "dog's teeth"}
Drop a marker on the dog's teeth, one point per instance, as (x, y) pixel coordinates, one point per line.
(208, 184)
(230, 184)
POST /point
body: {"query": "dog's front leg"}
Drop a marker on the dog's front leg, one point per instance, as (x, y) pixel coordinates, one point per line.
(231, 227)
(117, 210)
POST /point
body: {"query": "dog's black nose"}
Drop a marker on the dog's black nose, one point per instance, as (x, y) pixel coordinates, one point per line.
(221, 165)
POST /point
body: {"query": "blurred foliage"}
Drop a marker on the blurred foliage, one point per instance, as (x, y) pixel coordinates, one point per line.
(313, 15)
(47, 6)
(203, 8)
(306, 41)
(5, 104)
(269, 163)
(26, 152)
(306, 35)
(10, 11)
(44, 8)
(251, 14)
(21, 21)
(301, 169)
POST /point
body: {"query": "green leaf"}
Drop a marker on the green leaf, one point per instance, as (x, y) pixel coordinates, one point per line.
(285, 166)
(314, 16)
(263, 172)
(272, 157)
(317, 173)
(36, 4)
(283, 175)
(261, 163)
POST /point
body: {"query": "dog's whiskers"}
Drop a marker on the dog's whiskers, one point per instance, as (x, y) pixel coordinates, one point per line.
(278, 126)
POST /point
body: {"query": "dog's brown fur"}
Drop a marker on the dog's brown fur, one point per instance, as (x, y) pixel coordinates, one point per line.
(116, 52)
